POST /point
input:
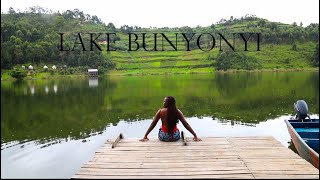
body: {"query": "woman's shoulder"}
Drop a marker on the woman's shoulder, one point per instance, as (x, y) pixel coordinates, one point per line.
(162, 111)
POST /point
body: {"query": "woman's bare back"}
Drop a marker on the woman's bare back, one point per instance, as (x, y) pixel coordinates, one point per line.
(163, 117)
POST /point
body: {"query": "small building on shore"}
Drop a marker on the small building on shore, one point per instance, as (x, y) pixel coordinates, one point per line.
(93, 72)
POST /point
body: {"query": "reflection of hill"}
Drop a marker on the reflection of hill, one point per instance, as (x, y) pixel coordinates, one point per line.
(246, 97)
(77, 109)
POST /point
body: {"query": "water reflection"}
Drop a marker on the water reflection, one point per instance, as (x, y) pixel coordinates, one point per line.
(46, 89)
(31, 87)
(93, 81)
(55, 88)
(32, 90)
(25, 91)
(232, 99)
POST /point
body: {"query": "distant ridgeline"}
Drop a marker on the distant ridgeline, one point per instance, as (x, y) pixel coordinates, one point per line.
(42, 37)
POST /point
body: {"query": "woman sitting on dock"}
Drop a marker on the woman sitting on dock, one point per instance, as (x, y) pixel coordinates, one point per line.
(170, 116)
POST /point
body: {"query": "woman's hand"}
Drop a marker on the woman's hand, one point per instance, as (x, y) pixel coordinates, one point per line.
(197, 139)
(144, 139)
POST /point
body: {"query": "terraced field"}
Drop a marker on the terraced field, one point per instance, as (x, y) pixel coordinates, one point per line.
(168, 60)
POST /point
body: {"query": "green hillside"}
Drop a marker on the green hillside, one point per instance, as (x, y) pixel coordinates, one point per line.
(32, 37)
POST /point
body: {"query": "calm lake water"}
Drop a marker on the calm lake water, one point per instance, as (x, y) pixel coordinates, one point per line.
(49, 128)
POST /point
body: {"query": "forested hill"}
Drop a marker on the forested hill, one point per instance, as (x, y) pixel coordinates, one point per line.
(32, 37)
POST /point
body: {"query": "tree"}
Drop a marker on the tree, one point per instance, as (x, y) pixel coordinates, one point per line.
(213, 27)
(59, 21)
(11, 11)
(68, 14)
(315, 61)
(273, 26)
(234, 60)
(96, 20)
(294, 24)
(301, 24)
(18, 74)
(111, 26)
(261, 23)
(16, 50)
(294, 47)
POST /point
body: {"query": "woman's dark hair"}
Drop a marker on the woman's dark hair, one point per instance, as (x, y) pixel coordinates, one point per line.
(172, 113)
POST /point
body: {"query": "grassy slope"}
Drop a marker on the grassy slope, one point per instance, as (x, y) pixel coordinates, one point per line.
(271, 56)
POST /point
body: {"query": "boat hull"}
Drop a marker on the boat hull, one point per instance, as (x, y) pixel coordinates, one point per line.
(300, 143)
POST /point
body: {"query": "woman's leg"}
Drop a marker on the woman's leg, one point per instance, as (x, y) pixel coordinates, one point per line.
(176, 136)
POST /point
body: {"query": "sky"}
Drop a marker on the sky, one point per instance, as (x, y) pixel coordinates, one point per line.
(178, 13)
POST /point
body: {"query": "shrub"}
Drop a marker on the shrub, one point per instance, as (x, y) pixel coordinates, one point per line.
(234, 60)
(51, 71)
(18, 73)
(294, 47)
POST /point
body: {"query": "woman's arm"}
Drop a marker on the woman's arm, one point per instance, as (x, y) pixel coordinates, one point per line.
(187, 126)
(152, 125)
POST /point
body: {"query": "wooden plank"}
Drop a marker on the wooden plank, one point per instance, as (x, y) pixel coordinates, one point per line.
(276, 161)
(169, 144)
(182, 160)
(218, 163)
(282, 167)
(172, 158)
(296, 176)
(168, 156)
(117, 140)
(165, 151)
(268, 156)
(162, 166)
(185, 148)
(171, 154)
(260, 144)
(200, 170)
(207, 151)
(147, 148)
(286, 172)
(175, 143)
(148, 161)
(127, 172)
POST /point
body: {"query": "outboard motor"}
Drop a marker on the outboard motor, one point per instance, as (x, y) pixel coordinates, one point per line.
(301, 109)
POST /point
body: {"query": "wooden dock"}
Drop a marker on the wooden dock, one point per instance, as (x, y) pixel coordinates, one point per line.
(213, 157)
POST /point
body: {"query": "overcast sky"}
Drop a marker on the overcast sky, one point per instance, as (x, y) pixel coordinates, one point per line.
(177, 13)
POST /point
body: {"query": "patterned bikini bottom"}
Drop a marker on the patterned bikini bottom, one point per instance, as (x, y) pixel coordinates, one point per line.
(167, 138)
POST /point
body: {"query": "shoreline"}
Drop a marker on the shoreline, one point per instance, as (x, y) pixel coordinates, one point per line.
(44, 76)
(143, 73)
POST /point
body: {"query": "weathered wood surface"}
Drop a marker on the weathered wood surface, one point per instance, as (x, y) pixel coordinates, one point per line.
(117, 140)
(213, 157)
